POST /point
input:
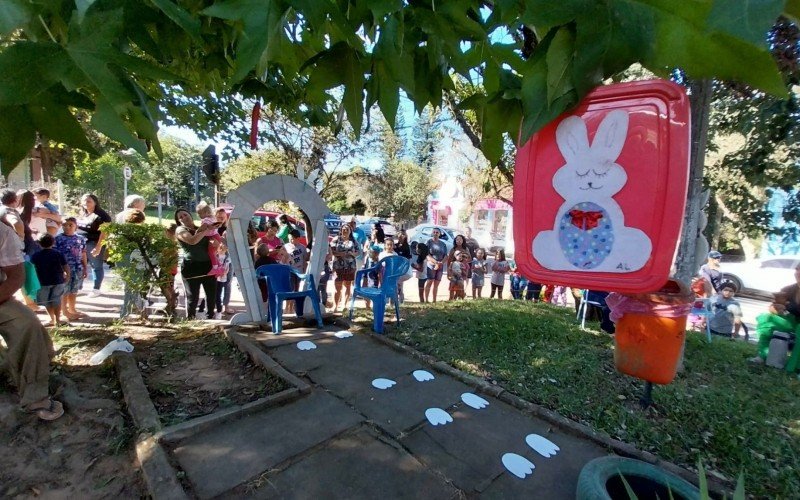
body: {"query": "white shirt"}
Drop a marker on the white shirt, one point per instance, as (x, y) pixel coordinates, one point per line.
(10, 249)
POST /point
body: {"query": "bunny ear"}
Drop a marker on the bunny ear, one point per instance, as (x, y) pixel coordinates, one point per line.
(572, 138)
(611, 134)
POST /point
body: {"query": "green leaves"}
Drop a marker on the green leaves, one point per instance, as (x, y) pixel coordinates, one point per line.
(122, 59)
(747, 20)
(261, 22)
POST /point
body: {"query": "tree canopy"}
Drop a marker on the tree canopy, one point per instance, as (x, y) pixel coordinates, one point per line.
(125, 62)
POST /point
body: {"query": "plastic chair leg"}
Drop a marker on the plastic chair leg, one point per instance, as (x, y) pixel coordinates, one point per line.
(278, 325)
(708, 330)
(378, 310)
(352, 304)
(317, 311)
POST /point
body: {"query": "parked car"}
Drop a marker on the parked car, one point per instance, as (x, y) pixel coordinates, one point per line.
(769, 274)
(423, 232)
(388, 227)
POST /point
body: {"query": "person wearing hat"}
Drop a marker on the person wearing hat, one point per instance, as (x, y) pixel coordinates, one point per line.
(726, 312)
(710, 271)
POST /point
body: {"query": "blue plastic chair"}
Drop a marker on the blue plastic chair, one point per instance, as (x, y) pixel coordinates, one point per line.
(279, 289)
(391, 268)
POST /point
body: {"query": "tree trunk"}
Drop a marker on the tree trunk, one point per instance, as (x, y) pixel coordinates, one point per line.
(700, 100)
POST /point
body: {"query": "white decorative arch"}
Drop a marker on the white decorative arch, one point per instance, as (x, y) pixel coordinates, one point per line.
(246, 199)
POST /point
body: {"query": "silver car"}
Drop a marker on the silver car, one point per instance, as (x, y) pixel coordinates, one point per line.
(423, 232)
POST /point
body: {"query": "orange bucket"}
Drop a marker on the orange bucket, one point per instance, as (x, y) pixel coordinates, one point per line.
(648, 346)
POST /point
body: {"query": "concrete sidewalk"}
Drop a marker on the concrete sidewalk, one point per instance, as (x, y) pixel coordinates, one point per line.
(348, 439)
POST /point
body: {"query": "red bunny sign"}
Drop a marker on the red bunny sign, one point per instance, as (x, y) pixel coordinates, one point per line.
(602, 190)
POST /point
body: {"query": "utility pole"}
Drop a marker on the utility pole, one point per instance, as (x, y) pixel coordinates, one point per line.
(196, 186)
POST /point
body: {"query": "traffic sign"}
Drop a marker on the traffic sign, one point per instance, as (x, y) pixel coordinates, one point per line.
(127, 172)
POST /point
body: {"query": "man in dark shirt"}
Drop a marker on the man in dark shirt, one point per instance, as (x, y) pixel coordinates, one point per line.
(710, 271)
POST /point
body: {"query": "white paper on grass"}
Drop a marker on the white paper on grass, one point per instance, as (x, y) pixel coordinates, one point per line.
(422, 375)
(518, 465)
(542, 445)
(343, 334)
(382, 383)
(474, 401)
(119, 344)
(437, 416)
(306, 345)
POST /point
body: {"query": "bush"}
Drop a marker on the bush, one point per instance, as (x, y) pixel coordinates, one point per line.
(146, 257)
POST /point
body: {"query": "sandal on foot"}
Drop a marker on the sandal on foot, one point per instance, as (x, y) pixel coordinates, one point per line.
(53, 411)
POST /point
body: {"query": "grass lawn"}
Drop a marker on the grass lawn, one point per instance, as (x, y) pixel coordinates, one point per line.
(732, 416)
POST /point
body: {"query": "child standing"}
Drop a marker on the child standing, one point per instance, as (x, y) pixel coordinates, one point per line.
(499, 270)
(222, 280)
(456, 274)
(206, 214)
(478, 272)
(73, 247)
(53, 272)
(420, 268)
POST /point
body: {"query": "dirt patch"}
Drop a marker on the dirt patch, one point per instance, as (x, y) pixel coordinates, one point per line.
(88, 453)
(193, 371)
(190, 369)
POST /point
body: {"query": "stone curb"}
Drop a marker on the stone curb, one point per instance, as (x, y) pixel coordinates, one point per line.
(140, 406)
(261, 358)
(716, 487)
(179, 432)
(160, 476)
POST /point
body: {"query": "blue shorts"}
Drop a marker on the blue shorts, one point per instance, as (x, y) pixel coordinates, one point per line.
(435, 274)
(75, 281)
(50, 295)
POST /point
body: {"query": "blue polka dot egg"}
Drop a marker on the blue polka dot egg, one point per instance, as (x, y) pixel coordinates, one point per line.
(586, 235)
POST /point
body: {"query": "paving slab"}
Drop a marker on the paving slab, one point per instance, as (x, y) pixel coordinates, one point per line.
(292, 336)
(357, 465)
(469, 451)
(347, 367)
(229, 455)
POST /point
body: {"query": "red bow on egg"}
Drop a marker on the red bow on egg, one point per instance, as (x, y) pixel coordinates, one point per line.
(585, 220)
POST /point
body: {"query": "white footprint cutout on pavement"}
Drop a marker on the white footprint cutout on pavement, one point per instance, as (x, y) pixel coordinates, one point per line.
(343, 334)
(306, 345)
(382, 383)
(474, 401)
(437, 416)
(422, 375)
(541, 445)
(518, 465)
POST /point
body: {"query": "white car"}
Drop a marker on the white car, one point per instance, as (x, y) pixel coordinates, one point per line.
(769, 274)
(423, 232)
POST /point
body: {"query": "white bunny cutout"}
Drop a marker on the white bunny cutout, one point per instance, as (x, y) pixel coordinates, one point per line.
(590, 226)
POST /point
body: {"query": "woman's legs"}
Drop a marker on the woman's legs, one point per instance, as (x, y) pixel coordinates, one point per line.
(96, 263)
(337, 285)
(210, 289)
(192, 288)
(226, 297)
(347, 292)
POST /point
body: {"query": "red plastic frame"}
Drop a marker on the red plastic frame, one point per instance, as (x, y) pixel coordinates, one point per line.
(655, 157)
